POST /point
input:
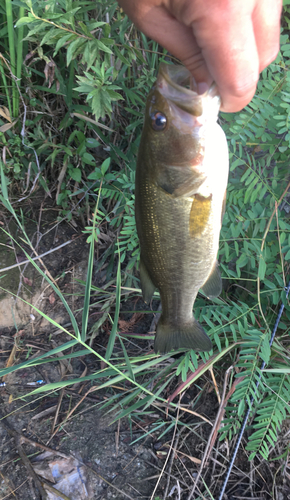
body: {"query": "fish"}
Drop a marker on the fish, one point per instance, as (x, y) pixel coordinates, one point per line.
(180, 191)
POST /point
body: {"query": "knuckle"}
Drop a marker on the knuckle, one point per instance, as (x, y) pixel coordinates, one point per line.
(271, 56)
(243, 88)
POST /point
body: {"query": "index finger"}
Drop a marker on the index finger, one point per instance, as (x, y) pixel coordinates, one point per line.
(231, 55)
(233, 51)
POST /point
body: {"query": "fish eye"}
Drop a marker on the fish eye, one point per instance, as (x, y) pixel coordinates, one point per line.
(158, 121)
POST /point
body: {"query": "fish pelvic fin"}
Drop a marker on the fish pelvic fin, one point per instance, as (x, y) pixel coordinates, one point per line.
(213, 286)
(146, 283)
(190, 336)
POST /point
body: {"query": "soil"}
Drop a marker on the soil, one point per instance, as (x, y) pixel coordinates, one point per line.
(74, 430)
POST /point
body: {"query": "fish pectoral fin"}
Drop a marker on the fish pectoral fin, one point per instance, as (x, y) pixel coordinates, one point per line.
(146, 283)
(199, 215)
(224, 207)
(173, 336)
(213, 285)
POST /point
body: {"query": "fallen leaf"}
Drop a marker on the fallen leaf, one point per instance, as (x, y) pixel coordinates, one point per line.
(10, 361)
(20, 258)
(18, 334)
(128, 325)
(87, 119)
(49, 71)
(51, 298)
(27, 281)
(103, 365)
(29, 55)
(4, 112)
(7, 126)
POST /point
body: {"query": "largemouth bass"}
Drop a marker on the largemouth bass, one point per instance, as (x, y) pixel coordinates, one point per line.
(181, 179)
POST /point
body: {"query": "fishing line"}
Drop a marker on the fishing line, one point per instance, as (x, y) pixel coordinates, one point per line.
(287, 289)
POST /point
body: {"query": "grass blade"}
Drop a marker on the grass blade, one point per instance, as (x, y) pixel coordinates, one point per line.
(36, 361)
(4, 184)
(5, 85)
(86, 309)
(129, 366)
(116, 317)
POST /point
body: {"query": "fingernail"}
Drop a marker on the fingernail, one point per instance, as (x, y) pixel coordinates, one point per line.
(202, 87)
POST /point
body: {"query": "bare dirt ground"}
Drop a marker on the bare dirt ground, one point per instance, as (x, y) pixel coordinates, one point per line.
(67, 436)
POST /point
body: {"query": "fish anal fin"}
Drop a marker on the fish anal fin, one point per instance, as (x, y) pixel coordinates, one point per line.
(146, 283)
(189, 336)
(213, 285)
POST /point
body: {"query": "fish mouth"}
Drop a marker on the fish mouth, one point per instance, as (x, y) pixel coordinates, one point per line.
(176, 83)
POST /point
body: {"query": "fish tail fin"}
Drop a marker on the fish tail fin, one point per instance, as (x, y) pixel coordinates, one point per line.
(190, 335)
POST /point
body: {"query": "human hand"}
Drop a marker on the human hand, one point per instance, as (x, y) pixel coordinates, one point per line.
(226, 41)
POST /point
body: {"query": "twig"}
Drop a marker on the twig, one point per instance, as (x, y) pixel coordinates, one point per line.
(157, 475)
(17, 438)
(24, 439)
(182, 408)
(214, 430)
(56, 492)
(20, 486)
(7, 482)
(215, 385)
(252, 398)
(57, 410)
(280, 249)
(165, 463)
(105, 480)
(117, 437)
(92, 389)
(262, 247)
(171, 463)
(35, 258)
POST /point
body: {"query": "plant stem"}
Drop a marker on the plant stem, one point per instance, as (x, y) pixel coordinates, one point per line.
(71, 82)
(10, 29)
(5, 85)
(20, 35)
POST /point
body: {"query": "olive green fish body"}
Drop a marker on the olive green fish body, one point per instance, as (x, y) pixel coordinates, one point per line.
(180, 188)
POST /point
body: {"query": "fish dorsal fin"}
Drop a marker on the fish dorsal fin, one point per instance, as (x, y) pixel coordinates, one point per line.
(213, 285)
